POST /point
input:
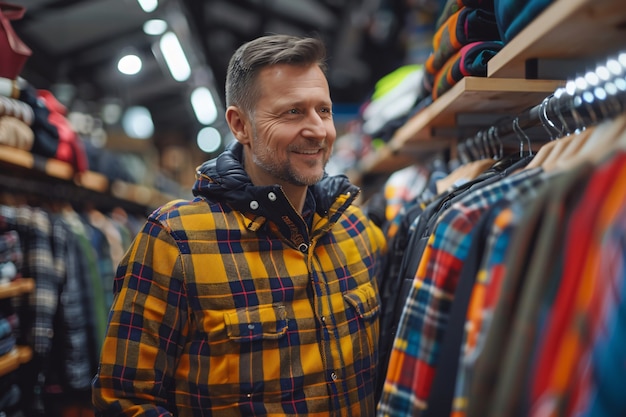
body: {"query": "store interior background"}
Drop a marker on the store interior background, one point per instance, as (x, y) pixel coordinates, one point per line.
(77, 45)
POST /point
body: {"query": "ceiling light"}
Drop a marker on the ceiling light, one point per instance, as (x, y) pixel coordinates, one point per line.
(209, 139)
(203, 105)
(155, 27)
(137, 122)
(129, 64)
(175, 57)
(148, 6)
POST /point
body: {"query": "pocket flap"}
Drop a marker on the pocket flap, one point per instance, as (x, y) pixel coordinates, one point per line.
(255, 323)
(364, 301)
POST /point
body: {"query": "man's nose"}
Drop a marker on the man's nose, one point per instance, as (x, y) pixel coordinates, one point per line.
(315, 126)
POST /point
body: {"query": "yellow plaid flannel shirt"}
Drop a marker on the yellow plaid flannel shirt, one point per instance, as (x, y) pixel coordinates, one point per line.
(216, 314)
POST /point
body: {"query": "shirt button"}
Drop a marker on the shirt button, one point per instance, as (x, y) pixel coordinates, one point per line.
(333, 376)
(251, 326)
(254, 205)
(271, 196)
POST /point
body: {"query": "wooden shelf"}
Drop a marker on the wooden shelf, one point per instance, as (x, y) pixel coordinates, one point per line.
(567, 33)
(27, 160)
(88, 180)
(437, 123)
(17, 287)
(139, 194)
(16, 357)
(567, 29)
(93, 181)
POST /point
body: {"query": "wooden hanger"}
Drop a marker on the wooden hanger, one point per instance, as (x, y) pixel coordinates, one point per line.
(605, 139)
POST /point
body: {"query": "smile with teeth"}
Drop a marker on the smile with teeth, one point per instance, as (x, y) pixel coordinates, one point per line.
(308, 151)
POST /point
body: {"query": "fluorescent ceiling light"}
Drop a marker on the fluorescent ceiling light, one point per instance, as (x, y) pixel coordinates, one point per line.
(203, 105)
(209, 139)
(129, 64)
(155, 27)
(148, 6)
(137, 122)
(175, 57)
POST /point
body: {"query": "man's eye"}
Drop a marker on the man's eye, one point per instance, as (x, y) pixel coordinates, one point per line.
(293, 111)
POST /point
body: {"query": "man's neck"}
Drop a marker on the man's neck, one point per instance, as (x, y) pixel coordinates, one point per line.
(296, 195)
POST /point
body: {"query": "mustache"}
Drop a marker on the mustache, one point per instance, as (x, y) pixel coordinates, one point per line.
(310, 144)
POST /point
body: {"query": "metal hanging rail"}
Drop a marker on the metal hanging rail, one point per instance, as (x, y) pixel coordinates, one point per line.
(586, 100)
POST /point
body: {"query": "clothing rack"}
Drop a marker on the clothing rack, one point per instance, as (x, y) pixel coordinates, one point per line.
(586, 100)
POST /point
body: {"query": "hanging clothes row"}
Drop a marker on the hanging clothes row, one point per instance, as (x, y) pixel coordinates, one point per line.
(509, 296)
(70, 251)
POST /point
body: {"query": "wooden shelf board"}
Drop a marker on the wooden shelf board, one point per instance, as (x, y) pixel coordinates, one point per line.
(16, 157)
(472, 94)
(388, 160)
(56, 168)
(384, 160)
(24, 353)
(27, 160)
(475, 94)
(12, 360)
(93, 181)
(139, 194)
(17, 287)
(9, 362)
(567, 29)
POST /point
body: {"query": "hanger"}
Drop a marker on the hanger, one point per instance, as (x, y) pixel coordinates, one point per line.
(474, 164)
(499, 146)
(521, 135)
(568, 99)
(553, 134)
(603, 141)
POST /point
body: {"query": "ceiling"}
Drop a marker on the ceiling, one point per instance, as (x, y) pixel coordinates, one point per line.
(76, 45)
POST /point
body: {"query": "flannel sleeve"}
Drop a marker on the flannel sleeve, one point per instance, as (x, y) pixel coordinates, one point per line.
(146, 330)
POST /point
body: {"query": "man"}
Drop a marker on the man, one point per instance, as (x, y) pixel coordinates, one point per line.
(258, 297)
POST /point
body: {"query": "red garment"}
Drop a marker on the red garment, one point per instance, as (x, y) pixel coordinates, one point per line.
(70, 149)
(574, 305)
(13, 52)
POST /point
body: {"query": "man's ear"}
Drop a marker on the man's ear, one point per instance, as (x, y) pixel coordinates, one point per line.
(238, 123)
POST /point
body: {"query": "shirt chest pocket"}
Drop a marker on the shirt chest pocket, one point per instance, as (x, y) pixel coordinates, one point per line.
(364, 331)
(254, 352)
(250, 324)
(364, 301)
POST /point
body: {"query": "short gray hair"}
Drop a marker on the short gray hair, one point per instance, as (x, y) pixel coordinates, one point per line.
(250, 58)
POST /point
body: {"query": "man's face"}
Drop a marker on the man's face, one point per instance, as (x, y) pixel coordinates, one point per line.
(293, 129)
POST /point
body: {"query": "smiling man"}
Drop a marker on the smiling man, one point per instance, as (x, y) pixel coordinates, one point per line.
(259, 296)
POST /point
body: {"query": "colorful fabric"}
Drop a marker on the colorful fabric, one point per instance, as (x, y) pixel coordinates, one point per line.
(598, 390)
(575, 311)
(226, 310)
(16, 108)
(441, 395)
(531, 267)
(37, 318)
(514, 15)
(11, 249)
(465, 26)
(423, 321)
(450, 7)
(400, 190)
(470, 60)
(70, 148)
(16, 133)
(77, 311)
(488, 281)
